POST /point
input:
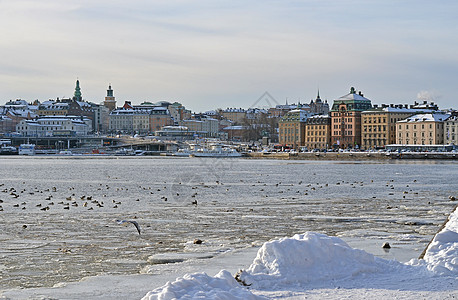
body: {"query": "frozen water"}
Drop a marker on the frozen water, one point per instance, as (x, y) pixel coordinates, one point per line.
(52, 232)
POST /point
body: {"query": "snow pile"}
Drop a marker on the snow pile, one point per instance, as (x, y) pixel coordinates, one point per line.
(441, 256)
(309, 257)
(201, 286)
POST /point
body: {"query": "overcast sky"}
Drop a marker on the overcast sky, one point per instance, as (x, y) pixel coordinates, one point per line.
(217, 54)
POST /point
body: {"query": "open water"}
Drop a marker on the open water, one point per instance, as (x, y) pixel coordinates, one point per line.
(57, 214)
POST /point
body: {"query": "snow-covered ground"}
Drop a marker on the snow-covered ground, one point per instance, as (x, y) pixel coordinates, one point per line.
(309, 265)
(314, 265)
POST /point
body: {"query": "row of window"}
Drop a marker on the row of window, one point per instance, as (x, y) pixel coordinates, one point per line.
(375, 135)
(369, 120)
(338, 133)
(423, 126)
(316, 132)
(374, 128)
(431, 142)
(415, 134)
(346, 126)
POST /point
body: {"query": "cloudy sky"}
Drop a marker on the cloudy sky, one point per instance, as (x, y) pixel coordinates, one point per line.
(216, 54)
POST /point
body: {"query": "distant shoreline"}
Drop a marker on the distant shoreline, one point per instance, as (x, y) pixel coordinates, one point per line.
(353, 155)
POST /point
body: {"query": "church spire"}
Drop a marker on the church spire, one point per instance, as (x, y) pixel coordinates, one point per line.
(77, 94)
(318, 99)
(110, 101)
(109, 91)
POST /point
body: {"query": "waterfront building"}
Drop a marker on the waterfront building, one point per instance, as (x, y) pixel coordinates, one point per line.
(55, 126)
(203, 126)
(144, 118)
(6, 124)
(179, 112)
(292, 128)
(451, 131)
(236, 132)
(181, 133)
(101, 118)
(346, 119)
(422, 129)
(317, 132)
(379, 123)
(55, 107)
(236, 115)
(15, 111)
(159, 117)
(281, 109)
(128, 120)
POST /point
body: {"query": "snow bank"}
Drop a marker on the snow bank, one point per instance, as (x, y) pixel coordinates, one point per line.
(309, 257)
(294, 263)
(201, 286)
(441, 256)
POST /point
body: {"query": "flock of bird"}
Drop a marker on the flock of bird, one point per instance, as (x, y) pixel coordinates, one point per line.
(19, 198)
(90, 202)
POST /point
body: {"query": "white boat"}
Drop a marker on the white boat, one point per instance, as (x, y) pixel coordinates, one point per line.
(27, 149)
(8, 150)
(183, 153)
(65, 152)
(216, 150)
(125, 152)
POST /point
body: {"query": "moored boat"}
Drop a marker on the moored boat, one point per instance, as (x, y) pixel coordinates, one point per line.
(27, 149)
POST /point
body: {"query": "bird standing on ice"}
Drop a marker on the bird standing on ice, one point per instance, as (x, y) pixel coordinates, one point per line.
(125, 222)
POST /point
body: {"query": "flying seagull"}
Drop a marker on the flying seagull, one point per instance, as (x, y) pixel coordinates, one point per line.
(124, 222)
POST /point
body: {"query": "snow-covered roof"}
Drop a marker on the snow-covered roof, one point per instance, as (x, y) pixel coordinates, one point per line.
(82, 103)
(235, 127)
(433, 117)
(211, 112)
(241, 110)
(353, 96)
(319, 117)
(399, 110)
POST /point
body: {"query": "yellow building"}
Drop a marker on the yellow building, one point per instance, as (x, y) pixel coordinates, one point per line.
(422, 129)
(318, 132)
(292, 128)
(378, 125)
(236, 115)
(451, 131)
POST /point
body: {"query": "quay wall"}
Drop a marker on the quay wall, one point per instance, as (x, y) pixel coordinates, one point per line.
(350, 156)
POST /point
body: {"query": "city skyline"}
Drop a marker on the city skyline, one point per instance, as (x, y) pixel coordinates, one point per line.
(210, 54)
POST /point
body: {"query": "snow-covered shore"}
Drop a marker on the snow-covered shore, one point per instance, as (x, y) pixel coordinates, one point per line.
(314, 265)
(309, 265)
